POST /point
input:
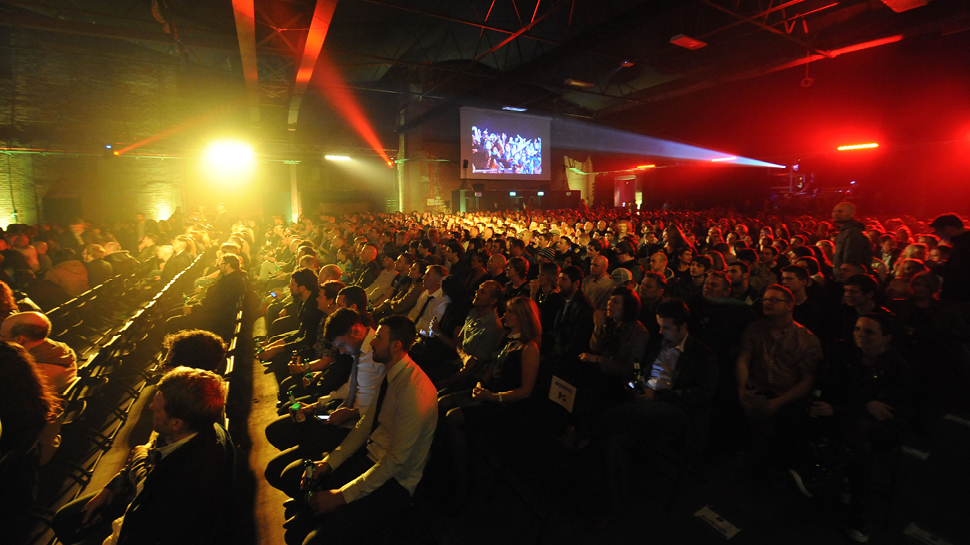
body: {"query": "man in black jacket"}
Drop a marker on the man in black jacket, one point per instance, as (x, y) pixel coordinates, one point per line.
(573, 323)
(173, 491)
(217, 311)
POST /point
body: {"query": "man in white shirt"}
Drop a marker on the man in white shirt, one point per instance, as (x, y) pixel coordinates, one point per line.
(431, 304)
(378, 466)
(380, 287)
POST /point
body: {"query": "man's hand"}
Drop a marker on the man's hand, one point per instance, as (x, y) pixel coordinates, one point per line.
(820, 408)
(325, 501)
(342, 415)
(282, 313)
(534, 286)
(879, 410)
(771, 408)
(187, 310)
(481, 394)
(648, 393)
(91, 510)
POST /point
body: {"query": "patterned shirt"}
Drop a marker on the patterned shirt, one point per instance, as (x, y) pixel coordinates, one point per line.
(780, 359)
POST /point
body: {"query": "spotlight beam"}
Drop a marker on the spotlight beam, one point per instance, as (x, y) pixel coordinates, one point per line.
(346, 104)
(571, 134)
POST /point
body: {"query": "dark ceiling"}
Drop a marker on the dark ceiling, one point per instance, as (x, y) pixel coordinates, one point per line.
(435, 55)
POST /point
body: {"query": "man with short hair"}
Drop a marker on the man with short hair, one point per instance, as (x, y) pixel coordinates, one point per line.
(956, 271)
(496, 267)
(776, 369)
(808, 310)
(651, 292)
(625, 257)
(479, 337)
(367, 271)
(739, 272)
(178, 262)
(851, 245)
(55, 360)
(172, 491)
(658, 264)
(598, 285)
(377, 467)
(147, 247)
(431, 304)
(688, 288)
(858, 299)
(195, 348)
(379, 288)
(573, 324)
(217, 311)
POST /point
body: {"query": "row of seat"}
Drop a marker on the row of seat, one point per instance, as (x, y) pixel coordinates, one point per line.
(115, 360)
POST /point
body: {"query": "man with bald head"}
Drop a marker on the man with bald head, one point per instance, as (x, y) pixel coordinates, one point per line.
(368, 270)
(598, 286)
(55, 360)
(496, 268)
(852, 245)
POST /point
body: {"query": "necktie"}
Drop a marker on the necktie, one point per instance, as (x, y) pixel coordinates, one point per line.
(424, 308)
(380, 401)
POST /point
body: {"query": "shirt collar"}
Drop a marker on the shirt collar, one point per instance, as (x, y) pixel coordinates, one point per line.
(168, 449)
(679, 346)
(369, 338)
(400, 365)
(436, 294)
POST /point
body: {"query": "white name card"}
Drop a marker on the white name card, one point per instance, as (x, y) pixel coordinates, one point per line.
(562, 393)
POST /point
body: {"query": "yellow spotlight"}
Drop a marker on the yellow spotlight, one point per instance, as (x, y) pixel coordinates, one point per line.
(230, 157)
(336, 158)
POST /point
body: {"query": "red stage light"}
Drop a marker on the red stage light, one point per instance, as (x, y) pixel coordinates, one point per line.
(644, 167)
(719, 159)
(858, 146)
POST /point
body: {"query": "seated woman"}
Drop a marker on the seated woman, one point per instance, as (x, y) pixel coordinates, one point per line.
(501, 397)
(619, 340)
(905, 271)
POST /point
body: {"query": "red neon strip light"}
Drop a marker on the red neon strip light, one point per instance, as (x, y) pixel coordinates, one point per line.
(644, 167)
(858, 146)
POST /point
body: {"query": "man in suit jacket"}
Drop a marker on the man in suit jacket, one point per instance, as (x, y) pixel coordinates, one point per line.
(173, 491)
(573, 324)
(216, 312)
(178, 262)
(678, 389)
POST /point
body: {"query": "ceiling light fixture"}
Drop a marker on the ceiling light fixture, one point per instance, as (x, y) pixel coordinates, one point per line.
(687, 42)
(626, 64)
(336, 158)
(578, 83)
(513, 109)
(645, 167)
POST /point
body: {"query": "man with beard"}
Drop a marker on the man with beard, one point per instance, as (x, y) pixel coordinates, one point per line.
(376, 469)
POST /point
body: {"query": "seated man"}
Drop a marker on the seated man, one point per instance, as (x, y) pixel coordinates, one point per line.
(863, 405)
(678, 389)
(172, 494)
(217, 310)
(55, 360)
(345, 330)
(377, 467)
(859, 294)
(776, 369)
(194, 348)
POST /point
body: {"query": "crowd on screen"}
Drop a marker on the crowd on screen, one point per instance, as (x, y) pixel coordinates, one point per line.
(493, 153)
(800, 346)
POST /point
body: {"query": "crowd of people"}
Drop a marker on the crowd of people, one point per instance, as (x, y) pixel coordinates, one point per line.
(802, 346)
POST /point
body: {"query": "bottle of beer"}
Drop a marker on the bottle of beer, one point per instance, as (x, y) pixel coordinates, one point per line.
(307, 373)
(310, 483)
(295, 408)
(637, 383)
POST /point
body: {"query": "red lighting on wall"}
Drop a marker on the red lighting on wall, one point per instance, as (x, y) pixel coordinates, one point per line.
(858, 146)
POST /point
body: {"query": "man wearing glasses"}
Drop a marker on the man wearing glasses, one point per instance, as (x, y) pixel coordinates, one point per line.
(776, 369)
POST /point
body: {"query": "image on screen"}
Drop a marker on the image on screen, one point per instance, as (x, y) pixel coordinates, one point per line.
(504, 146)
(494, 153)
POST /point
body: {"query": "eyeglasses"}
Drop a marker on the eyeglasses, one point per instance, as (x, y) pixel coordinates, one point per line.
(775, 300)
